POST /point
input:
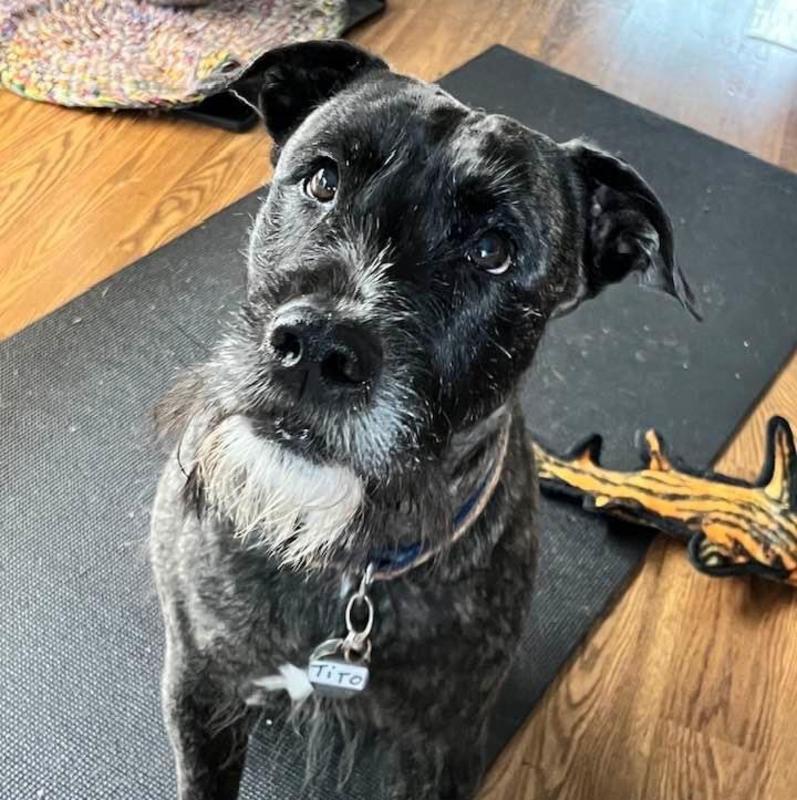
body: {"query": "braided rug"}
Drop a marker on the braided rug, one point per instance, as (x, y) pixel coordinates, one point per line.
(137, 54)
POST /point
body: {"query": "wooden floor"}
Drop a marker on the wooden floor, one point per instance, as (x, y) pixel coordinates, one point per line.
(689, 688)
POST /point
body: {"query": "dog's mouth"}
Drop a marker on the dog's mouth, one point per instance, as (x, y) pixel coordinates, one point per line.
(289, 430)
(374, 431)
(375, 442)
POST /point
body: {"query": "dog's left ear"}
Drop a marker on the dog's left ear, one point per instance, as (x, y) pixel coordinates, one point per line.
(287, 83)
(627, 228)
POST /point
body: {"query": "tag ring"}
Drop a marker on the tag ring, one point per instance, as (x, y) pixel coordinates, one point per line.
(357, 655)
(369, 624)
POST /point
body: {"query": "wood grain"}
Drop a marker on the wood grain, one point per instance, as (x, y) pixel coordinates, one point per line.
(686, 690)
(775, 21)
(83, 194)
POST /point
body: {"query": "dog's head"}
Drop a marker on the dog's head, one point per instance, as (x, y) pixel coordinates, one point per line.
(407, 258)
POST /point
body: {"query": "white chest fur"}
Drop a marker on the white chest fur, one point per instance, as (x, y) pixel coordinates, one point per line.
(296, 508)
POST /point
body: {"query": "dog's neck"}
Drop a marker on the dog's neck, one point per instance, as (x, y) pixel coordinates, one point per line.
(471, 451)
(473, 466)
(312, 516)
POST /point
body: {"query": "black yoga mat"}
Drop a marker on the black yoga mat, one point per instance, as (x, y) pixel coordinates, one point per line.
(81, 640)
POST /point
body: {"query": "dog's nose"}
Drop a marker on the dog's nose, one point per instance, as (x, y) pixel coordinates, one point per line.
(318, 352)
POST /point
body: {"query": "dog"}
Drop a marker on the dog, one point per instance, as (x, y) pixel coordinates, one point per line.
(345, 527)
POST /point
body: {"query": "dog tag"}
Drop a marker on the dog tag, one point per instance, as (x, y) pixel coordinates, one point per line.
(336, 677)
(339, 667)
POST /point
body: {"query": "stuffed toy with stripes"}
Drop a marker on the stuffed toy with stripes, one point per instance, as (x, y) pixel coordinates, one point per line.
(732, 527)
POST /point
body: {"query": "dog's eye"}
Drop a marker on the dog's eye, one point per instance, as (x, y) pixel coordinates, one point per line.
(492, 253)
(322, 185)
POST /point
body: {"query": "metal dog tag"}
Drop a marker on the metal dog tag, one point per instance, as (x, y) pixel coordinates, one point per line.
(336, 677)
(339, 667)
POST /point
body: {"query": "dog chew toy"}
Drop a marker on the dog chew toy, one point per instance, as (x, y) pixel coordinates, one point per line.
(732, 527)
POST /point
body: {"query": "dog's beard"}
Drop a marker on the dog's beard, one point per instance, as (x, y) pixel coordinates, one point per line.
(300, 511)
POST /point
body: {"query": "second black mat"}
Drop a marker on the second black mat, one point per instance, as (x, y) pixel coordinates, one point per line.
(81, 644)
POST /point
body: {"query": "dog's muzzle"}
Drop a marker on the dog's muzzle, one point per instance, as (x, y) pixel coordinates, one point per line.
(322, 358)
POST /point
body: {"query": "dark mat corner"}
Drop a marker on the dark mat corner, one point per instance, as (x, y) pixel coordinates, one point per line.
(81, 647)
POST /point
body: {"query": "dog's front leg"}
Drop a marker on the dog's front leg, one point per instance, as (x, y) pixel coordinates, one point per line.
(445, 765)
(208, 729)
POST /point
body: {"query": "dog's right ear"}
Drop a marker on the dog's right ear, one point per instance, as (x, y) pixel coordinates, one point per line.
(289, 82)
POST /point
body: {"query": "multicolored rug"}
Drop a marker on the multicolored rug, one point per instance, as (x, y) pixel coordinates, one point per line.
(135, 54)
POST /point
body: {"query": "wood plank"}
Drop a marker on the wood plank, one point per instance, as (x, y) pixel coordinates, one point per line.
(684, 691)
(83, 194)
(775, 21)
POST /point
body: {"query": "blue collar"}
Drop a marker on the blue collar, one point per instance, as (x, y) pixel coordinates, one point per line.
(391, 562)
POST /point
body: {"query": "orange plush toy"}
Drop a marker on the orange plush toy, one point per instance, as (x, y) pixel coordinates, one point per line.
(732, 527)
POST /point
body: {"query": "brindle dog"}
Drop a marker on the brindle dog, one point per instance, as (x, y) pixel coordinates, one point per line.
(400, 274)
